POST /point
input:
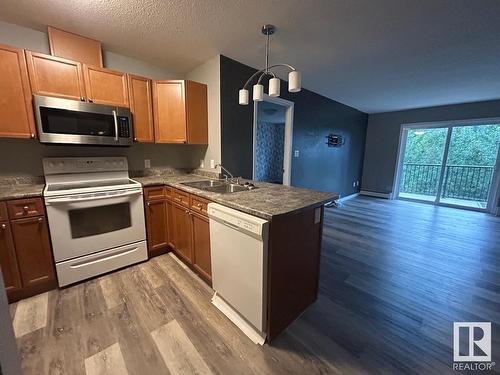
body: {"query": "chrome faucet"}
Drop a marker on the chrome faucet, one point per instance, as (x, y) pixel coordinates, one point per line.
(229, 176)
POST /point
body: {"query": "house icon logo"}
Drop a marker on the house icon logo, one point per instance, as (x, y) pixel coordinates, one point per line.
(472, 341)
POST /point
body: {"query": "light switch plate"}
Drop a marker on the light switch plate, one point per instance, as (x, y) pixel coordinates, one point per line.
(212, 163)
(296, 153)
(202, 163)
(147, 163)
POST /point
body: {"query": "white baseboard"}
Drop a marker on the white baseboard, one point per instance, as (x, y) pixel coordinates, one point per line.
(376, 194)
(347, 197)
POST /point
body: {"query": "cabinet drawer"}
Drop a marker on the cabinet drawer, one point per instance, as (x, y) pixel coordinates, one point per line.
(3, 212)
(180, 197)
(21, 208)
(154, 192)
(199, 205)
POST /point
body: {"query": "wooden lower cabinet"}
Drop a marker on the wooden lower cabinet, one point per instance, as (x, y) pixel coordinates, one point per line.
(178, 220)
(8, 260)
(157, 226)
(201, 245)
(25, 251)
(181, 235)
(34, 254)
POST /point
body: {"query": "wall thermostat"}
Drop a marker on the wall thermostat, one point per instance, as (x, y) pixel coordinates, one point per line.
(334, 140)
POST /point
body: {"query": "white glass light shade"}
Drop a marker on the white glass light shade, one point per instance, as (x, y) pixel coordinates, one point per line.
(274, 87)
(243, 97)
(294, 81)
(258, 93)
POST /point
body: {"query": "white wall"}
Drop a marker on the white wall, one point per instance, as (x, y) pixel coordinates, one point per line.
(168, 156)
(209, 73)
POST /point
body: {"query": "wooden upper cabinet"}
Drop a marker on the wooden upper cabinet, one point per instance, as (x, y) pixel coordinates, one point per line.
(180, 112)
(169, 112)
(105, 86)
(16, 112)
(74, 47)
(55, 76)
(197, 113)
(141, 106)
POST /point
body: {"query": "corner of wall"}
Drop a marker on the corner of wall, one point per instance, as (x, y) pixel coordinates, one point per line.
(209, 73)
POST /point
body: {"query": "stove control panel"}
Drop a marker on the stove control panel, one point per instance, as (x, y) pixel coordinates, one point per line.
(53, 166)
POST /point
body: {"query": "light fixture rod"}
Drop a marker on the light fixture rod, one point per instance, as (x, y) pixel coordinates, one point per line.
(263, 71)
(267, 54)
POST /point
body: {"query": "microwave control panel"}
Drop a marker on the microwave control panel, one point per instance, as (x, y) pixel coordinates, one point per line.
(123, 127)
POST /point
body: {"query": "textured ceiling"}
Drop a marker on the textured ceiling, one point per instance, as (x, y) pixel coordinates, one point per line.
(374, 55)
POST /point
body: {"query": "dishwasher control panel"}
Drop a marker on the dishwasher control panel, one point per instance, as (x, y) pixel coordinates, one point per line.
(237, 219)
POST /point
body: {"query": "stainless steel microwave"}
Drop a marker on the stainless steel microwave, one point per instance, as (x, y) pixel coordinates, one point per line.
(74, 122)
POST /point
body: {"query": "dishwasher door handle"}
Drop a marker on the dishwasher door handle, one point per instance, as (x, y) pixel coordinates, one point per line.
(227, 223)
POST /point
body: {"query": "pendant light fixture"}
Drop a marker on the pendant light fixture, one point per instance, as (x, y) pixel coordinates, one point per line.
(294, 77)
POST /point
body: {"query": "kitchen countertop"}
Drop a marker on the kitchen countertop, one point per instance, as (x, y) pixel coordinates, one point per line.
(17, 191)
(266, 202)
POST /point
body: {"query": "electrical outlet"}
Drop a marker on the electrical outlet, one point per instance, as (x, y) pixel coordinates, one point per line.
(147, 163)
(357, 183)
(212, 163)
(296, 153)
(354, 184)
(202, 163)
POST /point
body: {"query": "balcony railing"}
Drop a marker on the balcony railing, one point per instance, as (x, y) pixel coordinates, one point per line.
(470, 182)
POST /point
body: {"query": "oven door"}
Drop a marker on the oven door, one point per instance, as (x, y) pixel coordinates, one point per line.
(70, 121)
(84, 224)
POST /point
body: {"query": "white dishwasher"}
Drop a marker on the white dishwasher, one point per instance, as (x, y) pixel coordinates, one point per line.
(238, 244)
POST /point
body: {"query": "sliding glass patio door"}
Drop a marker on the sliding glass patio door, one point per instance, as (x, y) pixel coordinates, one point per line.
(453, 165)
(423, 160)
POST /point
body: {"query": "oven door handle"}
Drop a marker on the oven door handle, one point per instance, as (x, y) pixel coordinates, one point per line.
(49, 201)
(115, 118)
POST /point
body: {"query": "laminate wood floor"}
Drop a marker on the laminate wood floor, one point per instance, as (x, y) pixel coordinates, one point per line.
(394, 277)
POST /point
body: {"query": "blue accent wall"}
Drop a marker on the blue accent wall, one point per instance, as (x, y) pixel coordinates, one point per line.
(269, 152)
(318, 167)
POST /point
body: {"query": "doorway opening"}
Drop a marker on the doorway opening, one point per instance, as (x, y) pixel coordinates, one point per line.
(272, 140)
(450, 164)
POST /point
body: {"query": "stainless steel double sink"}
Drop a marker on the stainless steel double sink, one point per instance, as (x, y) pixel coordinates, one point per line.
(217, 186)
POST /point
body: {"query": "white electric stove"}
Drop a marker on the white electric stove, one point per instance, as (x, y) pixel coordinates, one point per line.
(96, 216)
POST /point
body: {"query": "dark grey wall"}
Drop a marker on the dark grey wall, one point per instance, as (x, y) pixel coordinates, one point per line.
(383, 137)
(318, 167)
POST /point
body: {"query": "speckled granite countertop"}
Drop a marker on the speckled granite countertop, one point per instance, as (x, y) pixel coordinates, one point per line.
(16, 187)
(267, 201)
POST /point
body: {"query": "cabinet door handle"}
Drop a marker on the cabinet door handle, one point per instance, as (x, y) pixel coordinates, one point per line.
(40, 219)
(26, 208)
(91, 101)
(82, 98)
(149, 204)
(32, 136)
(4, 226)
